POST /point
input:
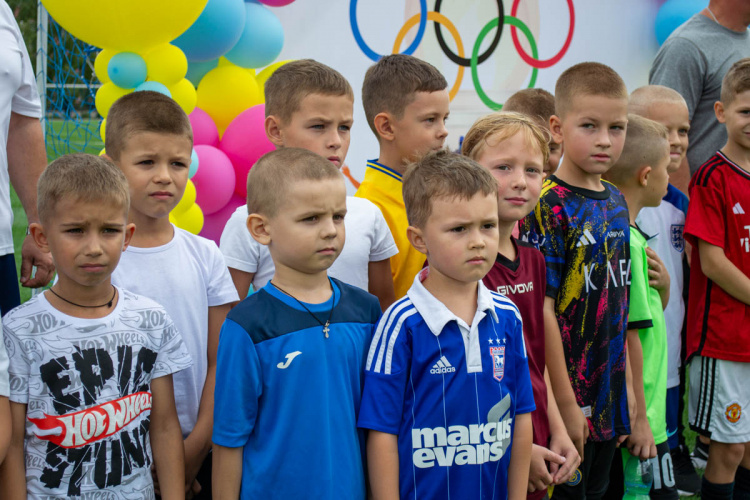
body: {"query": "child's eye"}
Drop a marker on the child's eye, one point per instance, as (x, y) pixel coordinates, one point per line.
(111, 230)
(489, 225)
(458, 229)
(588, 125)
(179, 164)
(617, 127)
(683, 131)
(146, 162)
(318, 126)
(74, 230)
(312, 218)
(533, 170)
(345, 128)
(338, 217)
(501, 167)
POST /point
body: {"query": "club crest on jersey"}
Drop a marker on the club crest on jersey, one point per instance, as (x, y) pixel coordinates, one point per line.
(677, 237)
(498, 362)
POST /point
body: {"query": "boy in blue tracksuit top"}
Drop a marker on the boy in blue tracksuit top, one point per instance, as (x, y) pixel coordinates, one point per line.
(291, 356)
(447, 396)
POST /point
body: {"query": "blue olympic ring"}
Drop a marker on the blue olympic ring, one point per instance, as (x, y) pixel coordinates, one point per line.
(371, 53)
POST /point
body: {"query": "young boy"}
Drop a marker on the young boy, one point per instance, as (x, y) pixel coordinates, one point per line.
(90, 364)
(666, 224)
(309, 106)
(514, 150)
(447, 391)
(718, 330)
(539, 105)
(581, 226)
(642, 176)
(150, 139)
(406, 104)
(291, 356)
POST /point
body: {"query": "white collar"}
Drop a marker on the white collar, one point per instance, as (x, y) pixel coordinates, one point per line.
(436, 315)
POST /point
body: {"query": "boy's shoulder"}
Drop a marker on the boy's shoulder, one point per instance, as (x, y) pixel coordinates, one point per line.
(382, 186)
(717, 172)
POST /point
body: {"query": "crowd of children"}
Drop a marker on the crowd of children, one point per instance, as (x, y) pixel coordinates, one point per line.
(525, 315)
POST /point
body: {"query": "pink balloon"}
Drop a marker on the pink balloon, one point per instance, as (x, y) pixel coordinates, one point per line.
(214, 181)
(213, 224)
(276, 3)
(244, 141)
(204, 128)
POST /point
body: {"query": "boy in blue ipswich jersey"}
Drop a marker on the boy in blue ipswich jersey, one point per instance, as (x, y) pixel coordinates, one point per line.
(291, 356)
(447, 396)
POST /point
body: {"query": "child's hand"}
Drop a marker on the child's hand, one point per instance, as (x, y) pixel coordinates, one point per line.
(561, 444)
(641, 441)
(193, 490)
(539, 476)
(576, 424)
(658, 277)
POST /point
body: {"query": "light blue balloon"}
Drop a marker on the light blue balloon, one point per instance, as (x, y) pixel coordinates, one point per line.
(155, 87)
(193, 164)
(197, 70)
(261, 40)
(127, 70)
(673, 13)
(215, 31)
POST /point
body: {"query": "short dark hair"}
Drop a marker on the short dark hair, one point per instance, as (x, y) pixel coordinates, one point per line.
(535, 103)
(391, 84)
(587, 79)
(442, 174)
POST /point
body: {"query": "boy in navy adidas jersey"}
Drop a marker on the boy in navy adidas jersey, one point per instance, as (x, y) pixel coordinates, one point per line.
(718, 327)
(291, 356)
(447, 396)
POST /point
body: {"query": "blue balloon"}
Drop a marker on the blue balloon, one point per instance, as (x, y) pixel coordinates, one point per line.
(155, 87)
(193, 164)
(197, 70)
(215, 31)
(127, 70)
(673, 13)
(261, 40)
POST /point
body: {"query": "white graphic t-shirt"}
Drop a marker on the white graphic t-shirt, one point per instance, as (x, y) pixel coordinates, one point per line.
(87, 387)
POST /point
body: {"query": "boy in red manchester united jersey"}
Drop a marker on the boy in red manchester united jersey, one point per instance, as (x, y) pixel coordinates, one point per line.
(718, 327)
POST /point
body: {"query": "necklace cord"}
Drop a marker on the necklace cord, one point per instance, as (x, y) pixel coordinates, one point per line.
(330, 314)
(108, 304)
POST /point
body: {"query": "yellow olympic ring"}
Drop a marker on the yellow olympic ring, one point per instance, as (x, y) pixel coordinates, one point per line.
(440, 19)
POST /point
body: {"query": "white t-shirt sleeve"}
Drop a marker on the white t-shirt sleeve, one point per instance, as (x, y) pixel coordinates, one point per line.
(221, 289)
(4, 383)
(383, 245)
(240, 250)
(26, 98)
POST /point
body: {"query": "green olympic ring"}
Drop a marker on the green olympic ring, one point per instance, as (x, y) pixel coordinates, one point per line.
(508, 20)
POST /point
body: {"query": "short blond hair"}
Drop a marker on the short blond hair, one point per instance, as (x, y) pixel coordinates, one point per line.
(270, 178)
(497, 127)
(646, 143)
(642, 98)
(442, 174)
(736, 81)
(295, 80)
(83, 177)
(587, 79)
(536, 103)
(145, 111)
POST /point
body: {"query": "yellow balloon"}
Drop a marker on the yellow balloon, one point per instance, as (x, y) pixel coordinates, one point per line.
(125, 24)
(166, 64)
(102, 129)
(227, 91)
(268, 71)
(100, 64)
(107, 95)
(191, 220)
(187, 200)
(103, 152)
(184, 93)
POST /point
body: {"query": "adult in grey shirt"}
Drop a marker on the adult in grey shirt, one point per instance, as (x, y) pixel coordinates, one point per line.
(693, 61)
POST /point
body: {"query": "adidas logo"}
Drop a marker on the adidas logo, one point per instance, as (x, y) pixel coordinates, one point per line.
(737, 208)
(442, 366)
(585, 239)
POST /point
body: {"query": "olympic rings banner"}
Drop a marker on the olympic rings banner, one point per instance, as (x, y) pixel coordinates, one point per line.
(487, 49)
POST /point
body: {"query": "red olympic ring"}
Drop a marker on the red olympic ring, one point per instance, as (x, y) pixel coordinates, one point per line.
(537, 63)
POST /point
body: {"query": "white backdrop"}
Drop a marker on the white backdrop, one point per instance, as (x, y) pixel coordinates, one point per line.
(615, 32)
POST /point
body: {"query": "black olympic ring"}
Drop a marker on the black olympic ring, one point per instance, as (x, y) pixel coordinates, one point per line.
(463, 61)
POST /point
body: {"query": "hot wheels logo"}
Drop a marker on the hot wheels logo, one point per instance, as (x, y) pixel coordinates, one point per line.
(93, 424)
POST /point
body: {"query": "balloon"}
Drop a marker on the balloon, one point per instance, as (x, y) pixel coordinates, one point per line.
(214, 223)
(204, 128)
(155, 86)
(244, 142)
(673, 13)
(133, 25)
(268, 71)
(216, 31)
(184, 93)
(197, 70)
(103, 129)
(261, 40)
(214, 182)
(188, 199)
(276, 3)
(106, 97)
(127, 70)
(194, 164)
(191, 220)
(100, 64)
(167, 64)
(227, 91)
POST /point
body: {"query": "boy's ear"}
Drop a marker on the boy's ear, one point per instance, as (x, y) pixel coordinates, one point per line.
(129, 230)
(643, 174)
(416, 239)
(258, 226)
(39, 236)
(719, 111)
(273, 130)
(555, 129)
(384, 125)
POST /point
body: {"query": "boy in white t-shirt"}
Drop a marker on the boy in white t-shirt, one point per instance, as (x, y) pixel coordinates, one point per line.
(150, 139)
(310, 105)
